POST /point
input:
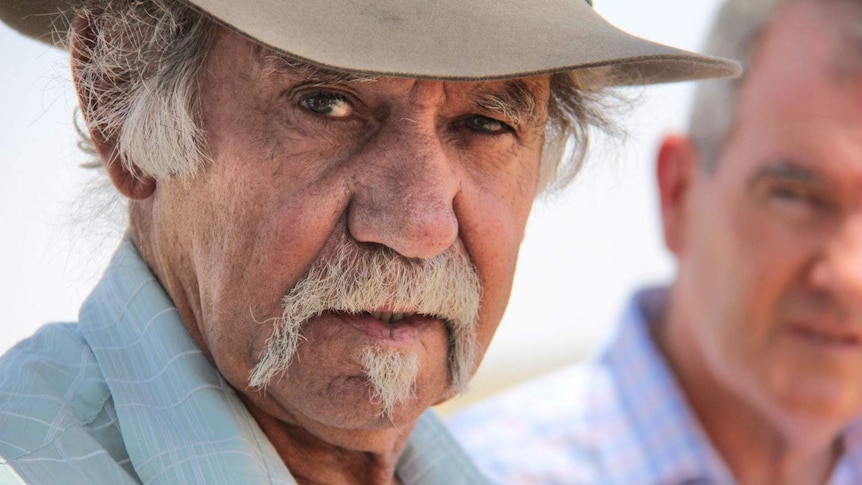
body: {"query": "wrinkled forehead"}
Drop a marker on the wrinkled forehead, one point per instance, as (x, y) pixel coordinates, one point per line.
(810, 41)
(834, 24)
(847, 58)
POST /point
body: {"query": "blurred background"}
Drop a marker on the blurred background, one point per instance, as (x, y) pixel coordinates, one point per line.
(585, 251)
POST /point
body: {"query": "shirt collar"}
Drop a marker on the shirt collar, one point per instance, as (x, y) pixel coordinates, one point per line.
(179, 418)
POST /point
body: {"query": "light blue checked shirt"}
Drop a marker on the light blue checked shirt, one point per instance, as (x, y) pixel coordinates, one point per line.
(126, 396)
(618, 419)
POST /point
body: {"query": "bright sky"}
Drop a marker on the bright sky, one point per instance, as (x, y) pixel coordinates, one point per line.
(583, 254)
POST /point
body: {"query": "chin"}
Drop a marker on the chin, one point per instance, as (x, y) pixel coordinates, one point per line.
(812, 415)
(354, 407)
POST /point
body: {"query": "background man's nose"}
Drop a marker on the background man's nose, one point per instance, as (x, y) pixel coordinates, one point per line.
(403, 194)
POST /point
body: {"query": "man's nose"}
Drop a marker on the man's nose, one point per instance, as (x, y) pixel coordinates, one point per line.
(404, 188)
(840, 268)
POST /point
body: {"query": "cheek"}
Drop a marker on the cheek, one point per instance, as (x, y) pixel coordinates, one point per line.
(256, 247)
(744, 269)
(767, 264)
(237, 348)
(738, 305)
(492, 228)
(713, 287)
(278, 212)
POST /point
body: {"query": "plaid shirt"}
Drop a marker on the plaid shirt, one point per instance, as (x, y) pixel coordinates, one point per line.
(126, 396)
(618, 419)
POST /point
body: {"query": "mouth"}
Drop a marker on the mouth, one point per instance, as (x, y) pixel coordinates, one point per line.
(828, 337)
(389, 328)
(391, 317)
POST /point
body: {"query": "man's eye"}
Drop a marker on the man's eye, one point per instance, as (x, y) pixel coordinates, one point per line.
(486, 125)
(791, 195)
(328, 104)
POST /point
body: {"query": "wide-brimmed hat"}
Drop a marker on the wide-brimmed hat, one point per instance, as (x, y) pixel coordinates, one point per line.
(440, 39)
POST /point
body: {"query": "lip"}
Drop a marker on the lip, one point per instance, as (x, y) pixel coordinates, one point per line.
(402, 333)
(828, 337)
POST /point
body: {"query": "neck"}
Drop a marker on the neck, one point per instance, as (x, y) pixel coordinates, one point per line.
(311, 460)
(755, 446)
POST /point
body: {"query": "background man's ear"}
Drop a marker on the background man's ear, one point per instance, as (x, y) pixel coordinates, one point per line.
(676, 169)
(132, 185)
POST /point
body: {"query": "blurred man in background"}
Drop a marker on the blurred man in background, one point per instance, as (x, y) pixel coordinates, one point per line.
(748, 368)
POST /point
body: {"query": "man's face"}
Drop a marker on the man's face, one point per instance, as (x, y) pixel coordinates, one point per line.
(770, 268)
(309, 171)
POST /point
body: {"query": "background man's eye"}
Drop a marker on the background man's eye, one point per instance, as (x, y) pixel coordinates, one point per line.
(328, 104)
(486, 125)
(789, 194)
(799, 198)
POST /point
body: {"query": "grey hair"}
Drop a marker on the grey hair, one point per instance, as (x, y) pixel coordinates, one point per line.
(140, 79)
(735, 34)
(580, 102)
(139, 76)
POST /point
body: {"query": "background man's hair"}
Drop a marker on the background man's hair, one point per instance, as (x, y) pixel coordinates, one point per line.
(141, 76)
(736, 33)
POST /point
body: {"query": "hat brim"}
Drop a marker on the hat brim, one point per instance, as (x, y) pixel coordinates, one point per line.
(443, 39)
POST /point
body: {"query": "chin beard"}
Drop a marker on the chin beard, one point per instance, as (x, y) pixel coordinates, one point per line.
(392, 376)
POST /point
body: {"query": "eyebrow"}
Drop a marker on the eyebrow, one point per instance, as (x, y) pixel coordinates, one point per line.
(785, 170)
(514, 102)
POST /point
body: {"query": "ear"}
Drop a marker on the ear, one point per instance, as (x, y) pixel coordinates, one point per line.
(130, 183)
(676, 168)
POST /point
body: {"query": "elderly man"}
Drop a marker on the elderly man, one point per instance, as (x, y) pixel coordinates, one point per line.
(748, 369)
(326, 201)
